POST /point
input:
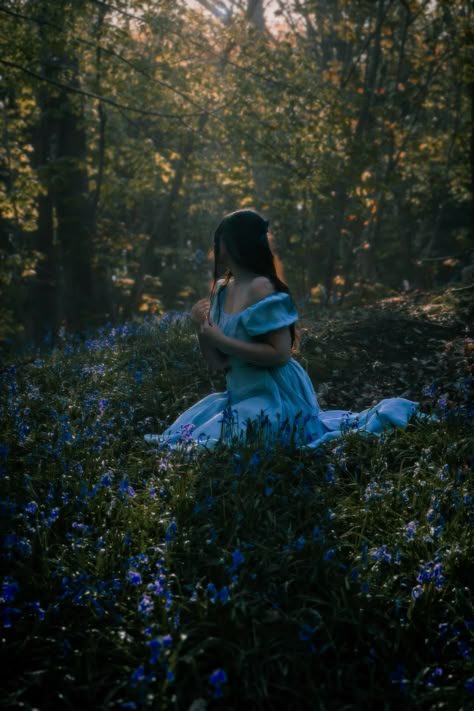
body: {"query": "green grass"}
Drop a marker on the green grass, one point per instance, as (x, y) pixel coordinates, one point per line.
(329, 579)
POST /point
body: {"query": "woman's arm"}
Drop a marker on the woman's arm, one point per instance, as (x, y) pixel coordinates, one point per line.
(272, 350)
(215, 359)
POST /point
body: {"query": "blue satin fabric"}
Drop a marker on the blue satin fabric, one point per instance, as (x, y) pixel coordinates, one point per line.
(280, 402)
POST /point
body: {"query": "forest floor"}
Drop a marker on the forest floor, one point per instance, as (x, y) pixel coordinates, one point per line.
(247, 576)
(417, 343)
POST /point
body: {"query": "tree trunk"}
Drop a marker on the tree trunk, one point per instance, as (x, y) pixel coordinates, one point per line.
(162, 221)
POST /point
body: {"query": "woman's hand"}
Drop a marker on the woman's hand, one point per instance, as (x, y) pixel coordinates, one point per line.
(212, 333)
(200, 312)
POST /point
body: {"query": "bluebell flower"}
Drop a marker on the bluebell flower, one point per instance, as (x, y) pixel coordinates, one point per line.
(170, 676)
(237, 559)
(134, 577)
(106, 479)
(146, 605)
(329, 554)
(53, 516)
(429, 390)
(32, 507)
(300, 543)
(417, 592)
(224, 595)
(381, 554)
(216, 679)
(155, 646)
(212, 592)
(139, 674)
(10, 589)
(410, 530)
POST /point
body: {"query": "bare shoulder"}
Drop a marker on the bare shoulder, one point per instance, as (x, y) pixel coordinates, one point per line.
(261, 287)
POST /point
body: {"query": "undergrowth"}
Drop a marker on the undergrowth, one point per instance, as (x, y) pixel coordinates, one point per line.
(250, 577)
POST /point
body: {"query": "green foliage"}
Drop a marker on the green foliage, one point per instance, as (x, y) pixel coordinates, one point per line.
(264, 577)
(347, 123)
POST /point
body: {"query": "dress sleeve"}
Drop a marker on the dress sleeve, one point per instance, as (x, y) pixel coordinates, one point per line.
(268, 314)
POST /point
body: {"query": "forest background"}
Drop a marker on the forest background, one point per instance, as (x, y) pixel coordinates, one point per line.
(128, 128)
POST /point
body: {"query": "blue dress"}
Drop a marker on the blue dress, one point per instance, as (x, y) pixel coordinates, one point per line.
(278, 402)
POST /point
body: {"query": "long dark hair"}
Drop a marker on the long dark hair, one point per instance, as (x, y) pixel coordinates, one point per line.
(245, 235)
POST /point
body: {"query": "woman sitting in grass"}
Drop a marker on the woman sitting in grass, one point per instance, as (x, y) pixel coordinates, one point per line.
(248, 329)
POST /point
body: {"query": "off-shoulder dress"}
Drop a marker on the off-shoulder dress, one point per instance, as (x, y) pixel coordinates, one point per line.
(274, 402)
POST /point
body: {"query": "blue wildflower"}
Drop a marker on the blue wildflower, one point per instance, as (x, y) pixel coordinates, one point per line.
(237, 559)
(139, 674)
(10, 589)
(32, 507)
(106, 479)
(134, 577)
(146, 605)
(216, 679)
(410, 530)
(155, 646)
(224, 595)
(381, 554)
(417, 592)
(300, 543)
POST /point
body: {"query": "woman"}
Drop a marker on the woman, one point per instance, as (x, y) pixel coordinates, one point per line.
(248, 329)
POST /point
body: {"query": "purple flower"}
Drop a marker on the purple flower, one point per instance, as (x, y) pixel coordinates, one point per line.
(32, 507)
(237, 559)
(410, 530)
(134, 577)
(106, 479)
(381, 554)
(429, 390)
(10, 589)
(417, 592)
(146, 605)
(216, 679)
(212, 592)
(224, 595)
(139, 673)
(155, 649)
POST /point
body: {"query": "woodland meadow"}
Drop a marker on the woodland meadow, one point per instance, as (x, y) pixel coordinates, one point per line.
(253, 575)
